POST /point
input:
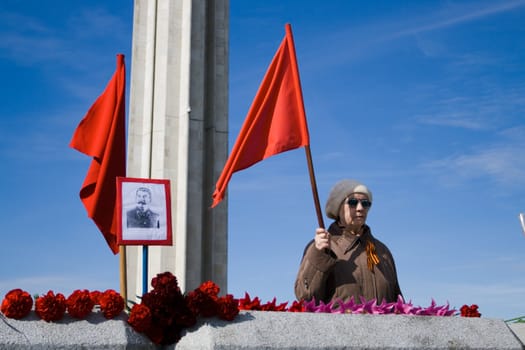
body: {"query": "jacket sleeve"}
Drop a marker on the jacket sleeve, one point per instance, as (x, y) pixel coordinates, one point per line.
(388, 258)
(397, 288)
(313, 272)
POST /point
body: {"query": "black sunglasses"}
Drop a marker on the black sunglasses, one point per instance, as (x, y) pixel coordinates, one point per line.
(352, 202)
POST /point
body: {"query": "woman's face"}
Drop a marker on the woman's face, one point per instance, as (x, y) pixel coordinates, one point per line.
(353, 215)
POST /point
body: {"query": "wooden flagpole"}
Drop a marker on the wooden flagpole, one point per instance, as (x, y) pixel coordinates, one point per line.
(123, 262)
(299, 95)
(314, 186)
(123, 274)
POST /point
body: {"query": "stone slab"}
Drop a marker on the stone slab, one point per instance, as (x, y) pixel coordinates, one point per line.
(95, 332)
(272, 330)
(519, 330)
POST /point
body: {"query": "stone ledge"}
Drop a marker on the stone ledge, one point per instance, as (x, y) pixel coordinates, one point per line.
(273, 330)
(95, 332)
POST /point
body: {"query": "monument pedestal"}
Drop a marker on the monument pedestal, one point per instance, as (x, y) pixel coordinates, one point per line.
(273, 330)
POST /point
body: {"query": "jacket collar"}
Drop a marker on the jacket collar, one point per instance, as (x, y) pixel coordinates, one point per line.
(348, 241)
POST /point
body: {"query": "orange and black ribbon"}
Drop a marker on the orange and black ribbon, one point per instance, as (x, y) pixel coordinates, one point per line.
(371, 256)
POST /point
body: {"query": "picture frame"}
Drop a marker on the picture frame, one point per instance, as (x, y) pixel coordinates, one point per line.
(144, 211)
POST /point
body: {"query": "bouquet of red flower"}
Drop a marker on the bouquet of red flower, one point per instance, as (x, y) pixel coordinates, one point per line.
(165, 312)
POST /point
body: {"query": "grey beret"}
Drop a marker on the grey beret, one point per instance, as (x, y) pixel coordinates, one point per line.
(339, 192)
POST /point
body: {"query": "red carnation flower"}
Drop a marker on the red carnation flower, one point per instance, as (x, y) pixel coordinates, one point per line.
(111, 303)
(210, 288)
(470, 311)
(165, 281)
(140, 318)
(50, 307)
(80, 304)
(201, 303)
(17, 304)
(95, 296)
(203, 300)
(227, 307)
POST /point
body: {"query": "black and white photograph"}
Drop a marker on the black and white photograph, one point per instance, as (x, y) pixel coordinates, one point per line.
(144, 206)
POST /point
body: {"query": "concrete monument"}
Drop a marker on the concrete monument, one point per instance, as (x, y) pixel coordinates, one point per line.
(178, 130)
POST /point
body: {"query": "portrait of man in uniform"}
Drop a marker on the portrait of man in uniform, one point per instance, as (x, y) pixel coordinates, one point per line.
(142, 216)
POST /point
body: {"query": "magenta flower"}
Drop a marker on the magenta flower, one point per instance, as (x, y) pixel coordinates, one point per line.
(347, 307)
(371, 307)
(311, 306)
(400, 307)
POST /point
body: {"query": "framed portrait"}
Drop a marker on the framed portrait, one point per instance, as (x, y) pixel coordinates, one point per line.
(144, 208)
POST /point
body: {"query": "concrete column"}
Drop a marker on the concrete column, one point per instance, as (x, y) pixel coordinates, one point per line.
(178, 130)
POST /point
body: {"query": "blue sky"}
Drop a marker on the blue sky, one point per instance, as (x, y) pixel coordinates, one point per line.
(424, 101)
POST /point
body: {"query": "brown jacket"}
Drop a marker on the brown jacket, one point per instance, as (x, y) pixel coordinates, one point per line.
(343, 272)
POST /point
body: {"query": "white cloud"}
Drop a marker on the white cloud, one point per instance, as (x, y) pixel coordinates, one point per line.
(461, 103)
(504, 164)
(458, 119)
(37, 43)
(451, 16)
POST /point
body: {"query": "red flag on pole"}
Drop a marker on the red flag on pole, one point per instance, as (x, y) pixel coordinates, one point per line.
(101, 134)
(276, 121)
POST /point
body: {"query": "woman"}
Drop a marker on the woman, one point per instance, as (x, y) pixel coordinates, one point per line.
(346, 260)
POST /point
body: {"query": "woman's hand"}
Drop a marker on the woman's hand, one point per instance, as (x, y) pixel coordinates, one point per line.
(322, 239)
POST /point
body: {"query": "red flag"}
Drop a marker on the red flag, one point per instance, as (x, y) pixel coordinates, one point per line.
(101, 134)
(276, 121)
